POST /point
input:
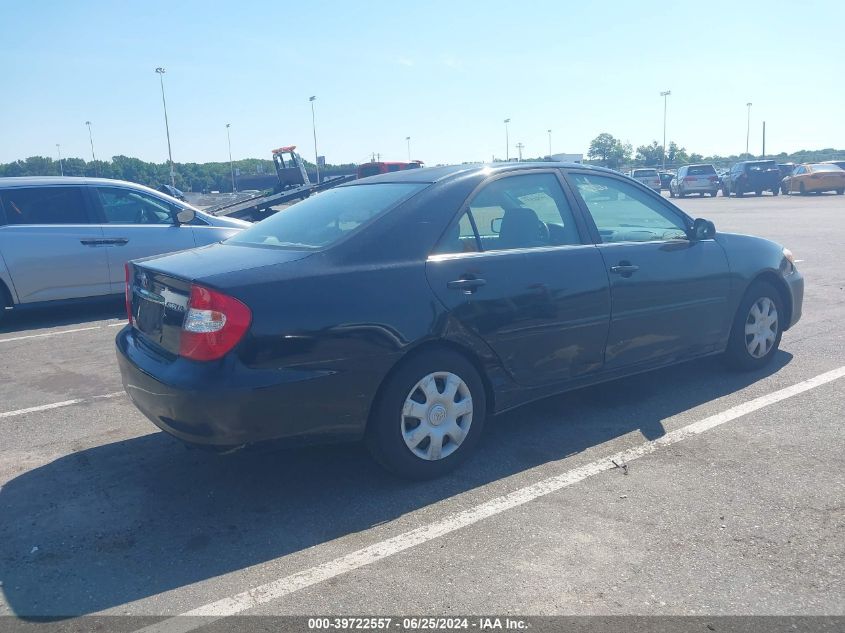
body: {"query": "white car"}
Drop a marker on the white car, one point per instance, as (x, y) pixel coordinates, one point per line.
(69, 238)
(649, 177)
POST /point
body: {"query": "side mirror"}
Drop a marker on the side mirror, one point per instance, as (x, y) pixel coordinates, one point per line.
(703, 229)
(185, 216)
(496, 225)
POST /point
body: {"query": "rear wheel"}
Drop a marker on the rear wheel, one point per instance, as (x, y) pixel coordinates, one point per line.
(801, 189)
(714, 193)
(725, 191)
(784, 189)
(775, 191)
(429, 415)
(757, 328)
(758, 192)
(671, 192)
(4, 303)
(739, 192)
(840, 191)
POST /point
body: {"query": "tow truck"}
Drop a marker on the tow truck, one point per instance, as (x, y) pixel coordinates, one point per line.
(293, 184)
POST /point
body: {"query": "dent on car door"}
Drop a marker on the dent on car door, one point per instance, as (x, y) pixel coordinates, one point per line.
(514, 271)
(137, 224)
(669, 294)
(51, 247)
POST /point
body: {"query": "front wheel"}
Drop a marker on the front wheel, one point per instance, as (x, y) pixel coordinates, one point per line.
(775, 191)
(757, 328)
(840, 191)
(784, 190)
(671, 192)
(429, 415)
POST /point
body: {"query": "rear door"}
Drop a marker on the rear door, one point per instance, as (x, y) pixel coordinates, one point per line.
(136, 224)
(514, 270)
(51, 245)
(669, 294)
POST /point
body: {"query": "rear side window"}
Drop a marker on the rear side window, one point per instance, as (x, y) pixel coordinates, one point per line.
(826, 168)
(44, 205)
(327, 217)
(701, 170)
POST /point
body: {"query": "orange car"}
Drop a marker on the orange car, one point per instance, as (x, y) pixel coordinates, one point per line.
(814, 178)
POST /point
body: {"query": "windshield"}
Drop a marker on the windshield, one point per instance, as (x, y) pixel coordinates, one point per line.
(327, 217)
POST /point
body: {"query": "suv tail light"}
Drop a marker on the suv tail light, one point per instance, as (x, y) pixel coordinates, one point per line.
(714, 178)
(690, 179)
(213, 325)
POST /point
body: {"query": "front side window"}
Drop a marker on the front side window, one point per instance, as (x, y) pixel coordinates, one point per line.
(326, 217)
(624, 213)
(526, 211)
(459, 238)
(127, 206)
(44, 205)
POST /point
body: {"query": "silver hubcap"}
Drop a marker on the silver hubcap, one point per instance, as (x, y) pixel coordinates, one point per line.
(436, 416)
(761, 327)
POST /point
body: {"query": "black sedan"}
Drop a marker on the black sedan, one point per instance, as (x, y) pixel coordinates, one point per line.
(404, 308)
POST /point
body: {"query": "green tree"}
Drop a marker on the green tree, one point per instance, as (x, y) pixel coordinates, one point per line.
(609, 151)
(650, 154)
(676, 155)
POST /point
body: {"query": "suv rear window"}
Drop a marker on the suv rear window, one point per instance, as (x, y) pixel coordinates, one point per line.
(701, 170)
(325, 218)
(43, 205)
(641, 173)
(761, 164)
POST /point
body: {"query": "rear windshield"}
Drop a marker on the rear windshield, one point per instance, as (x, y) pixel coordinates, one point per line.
(762, 164)
(701, 170)
(639, 173)
(826, 168)
(325, 218)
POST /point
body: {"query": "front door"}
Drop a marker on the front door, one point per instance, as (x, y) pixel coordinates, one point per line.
(514, 270)
(51, 247)
(669, 294)
(137, 224)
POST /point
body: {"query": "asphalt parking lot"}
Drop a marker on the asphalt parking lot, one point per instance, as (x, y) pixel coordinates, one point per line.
(730, 501)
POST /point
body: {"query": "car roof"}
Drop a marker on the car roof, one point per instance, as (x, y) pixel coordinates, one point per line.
(28, 181)
(448, 172)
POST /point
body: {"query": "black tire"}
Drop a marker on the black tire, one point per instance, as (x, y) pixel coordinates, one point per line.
(775, 191)
(840, 191)
(784, 189)
(737, 355)
(681, 193)
(384, 431)
(801, 189)
(739, 192)
(714, 193)
(725, 191)
(758, 192)
(4, 303)
(671, 193)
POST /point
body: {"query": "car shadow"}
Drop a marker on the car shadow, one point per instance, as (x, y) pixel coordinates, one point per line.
(102, 527)
(62, 314)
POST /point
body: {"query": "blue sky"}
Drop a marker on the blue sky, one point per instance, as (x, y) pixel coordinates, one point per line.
(444, 73)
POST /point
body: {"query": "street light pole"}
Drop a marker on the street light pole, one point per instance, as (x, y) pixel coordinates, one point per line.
(665, 94)
(748, 129)
(61, 163)
(314, 128)
(161, 72)
(408, 141)
(507, 141)
(231, 164)
(550, 144)
(93, 156)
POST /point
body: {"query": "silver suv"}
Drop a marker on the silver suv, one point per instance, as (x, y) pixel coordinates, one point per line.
(698, 179)
(67, 238)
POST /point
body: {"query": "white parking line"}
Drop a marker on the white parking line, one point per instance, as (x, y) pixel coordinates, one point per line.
(287, 585)
(59, 405)
(79, 329)
(21, 338)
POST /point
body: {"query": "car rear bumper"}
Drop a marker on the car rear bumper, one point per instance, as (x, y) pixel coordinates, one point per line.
(225, 404)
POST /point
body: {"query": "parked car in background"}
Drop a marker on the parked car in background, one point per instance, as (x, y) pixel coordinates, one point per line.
(785, 169)
(665, 179)
(69, 238)
(815, 178)
(517, 281)
(698, 179)
(752, 176)
(647, 176)
(173, 192)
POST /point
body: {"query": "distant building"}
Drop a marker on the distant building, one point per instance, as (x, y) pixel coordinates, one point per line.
(568, 158)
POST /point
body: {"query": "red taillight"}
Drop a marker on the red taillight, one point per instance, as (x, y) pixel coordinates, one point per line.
(213, 325)
(690, 179)
(127, 293)
(714, 178)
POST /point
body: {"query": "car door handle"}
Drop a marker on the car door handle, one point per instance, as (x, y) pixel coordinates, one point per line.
(624, 269)
(117, 241)
(92, 242)
(468, 286)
